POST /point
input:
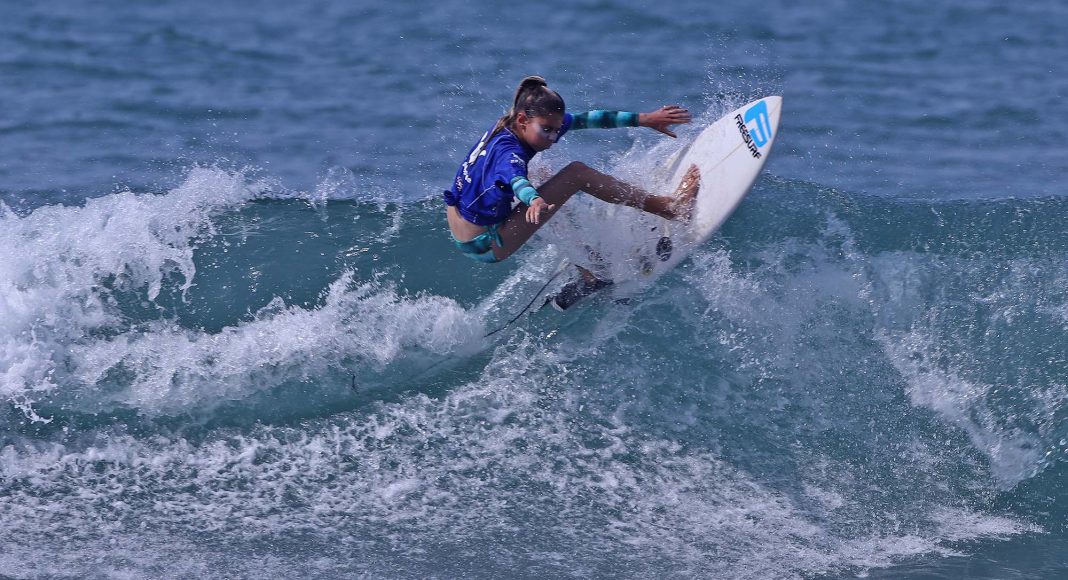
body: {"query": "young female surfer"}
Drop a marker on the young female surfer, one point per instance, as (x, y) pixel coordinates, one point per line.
(480, 212)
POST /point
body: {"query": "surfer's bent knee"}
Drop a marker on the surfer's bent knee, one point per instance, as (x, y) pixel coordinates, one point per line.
(575, 167)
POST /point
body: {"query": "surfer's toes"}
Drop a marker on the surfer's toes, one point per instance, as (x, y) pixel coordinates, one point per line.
(686, 194)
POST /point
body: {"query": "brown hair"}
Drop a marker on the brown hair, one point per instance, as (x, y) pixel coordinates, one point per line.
(534, 98)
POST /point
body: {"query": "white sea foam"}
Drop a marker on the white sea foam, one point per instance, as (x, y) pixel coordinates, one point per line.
(1013, 425)
(808, 292)
(176, 369)
(400, 487)
(61, 265)
(1014, 454)
(67, 268)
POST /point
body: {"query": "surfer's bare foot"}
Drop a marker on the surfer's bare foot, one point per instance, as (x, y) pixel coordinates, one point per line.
(686, 194)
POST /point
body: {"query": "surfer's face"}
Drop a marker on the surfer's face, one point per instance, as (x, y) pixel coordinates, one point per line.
(539, 133)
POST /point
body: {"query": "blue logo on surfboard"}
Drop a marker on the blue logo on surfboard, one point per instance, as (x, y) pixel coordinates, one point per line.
(756, 119)
(755, 127)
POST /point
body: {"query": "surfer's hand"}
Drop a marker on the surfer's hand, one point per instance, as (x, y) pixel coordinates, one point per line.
(538, 205)
(665, 117)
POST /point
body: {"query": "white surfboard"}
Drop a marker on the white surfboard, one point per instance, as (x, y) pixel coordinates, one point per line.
(729, 154)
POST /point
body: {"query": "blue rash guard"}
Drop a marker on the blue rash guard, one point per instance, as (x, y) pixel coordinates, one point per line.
(495, 171)
(482, 190)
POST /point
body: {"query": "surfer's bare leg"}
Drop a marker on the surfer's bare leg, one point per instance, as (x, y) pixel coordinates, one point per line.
(580, 177)
(576, 177)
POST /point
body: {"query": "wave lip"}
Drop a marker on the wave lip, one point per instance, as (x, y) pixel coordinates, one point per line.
(359, 328)
(68, 270)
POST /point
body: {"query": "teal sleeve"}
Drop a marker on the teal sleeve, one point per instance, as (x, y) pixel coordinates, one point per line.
(604, 120)
(522, 189)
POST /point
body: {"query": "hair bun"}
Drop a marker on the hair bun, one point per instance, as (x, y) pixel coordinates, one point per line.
(533, 80)
(525, 85)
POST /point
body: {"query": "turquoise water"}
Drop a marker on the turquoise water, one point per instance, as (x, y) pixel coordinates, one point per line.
(235, 342)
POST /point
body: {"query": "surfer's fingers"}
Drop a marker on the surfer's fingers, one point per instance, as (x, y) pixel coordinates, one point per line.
(673, 116)
(534, 212)
(680, 116)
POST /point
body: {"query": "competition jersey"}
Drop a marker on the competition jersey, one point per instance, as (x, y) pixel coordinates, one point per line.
(482, 190)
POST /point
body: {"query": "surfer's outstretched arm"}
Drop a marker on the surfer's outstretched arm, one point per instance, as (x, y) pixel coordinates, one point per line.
(664, 117)
(659, 120)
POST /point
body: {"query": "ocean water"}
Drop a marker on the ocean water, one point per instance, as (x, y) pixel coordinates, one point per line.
(235, 341)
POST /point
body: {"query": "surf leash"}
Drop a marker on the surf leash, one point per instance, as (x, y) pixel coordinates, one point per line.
(532, 301)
